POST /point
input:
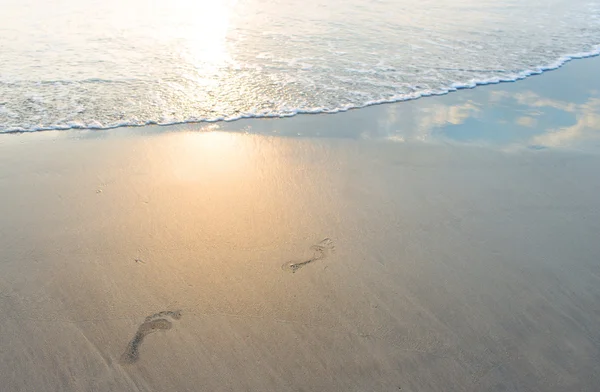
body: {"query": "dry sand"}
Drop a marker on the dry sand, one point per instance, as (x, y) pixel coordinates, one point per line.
(187, 261)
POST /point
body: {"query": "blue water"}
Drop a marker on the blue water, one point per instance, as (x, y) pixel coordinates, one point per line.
(101, 64)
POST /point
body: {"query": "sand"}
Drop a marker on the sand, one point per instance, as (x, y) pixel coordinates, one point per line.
(160, 259)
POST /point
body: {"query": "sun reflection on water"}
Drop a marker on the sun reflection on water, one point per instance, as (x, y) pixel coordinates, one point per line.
(205, 44)
(222, 152)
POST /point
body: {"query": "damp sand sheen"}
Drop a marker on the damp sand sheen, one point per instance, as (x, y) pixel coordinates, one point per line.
(201, 264)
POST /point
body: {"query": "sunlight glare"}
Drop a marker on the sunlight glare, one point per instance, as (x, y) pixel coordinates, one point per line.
(223, 152)
(205, 36)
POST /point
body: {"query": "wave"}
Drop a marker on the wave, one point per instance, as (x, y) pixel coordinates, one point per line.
(511, 77)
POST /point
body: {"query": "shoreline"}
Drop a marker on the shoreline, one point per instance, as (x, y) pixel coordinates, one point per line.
(456, 87)
(558, 110)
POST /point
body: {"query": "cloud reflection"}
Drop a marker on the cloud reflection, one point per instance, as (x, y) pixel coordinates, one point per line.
(526, 119)
(587, 127)
(555, 111)
(441, 115)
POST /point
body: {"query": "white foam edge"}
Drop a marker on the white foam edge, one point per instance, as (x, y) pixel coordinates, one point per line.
(95, 125)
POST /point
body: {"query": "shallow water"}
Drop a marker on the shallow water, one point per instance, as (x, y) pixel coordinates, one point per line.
(102, 64)
(558, 110)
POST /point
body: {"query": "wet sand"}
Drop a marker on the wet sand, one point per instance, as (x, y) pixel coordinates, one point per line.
(170, 260)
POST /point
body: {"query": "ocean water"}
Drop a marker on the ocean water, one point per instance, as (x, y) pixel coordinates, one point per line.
(102, 64)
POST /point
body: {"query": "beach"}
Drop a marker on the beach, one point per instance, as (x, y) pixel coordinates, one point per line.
(410, 246)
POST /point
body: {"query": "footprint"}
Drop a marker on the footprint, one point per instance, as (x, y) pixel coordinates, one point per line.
(156, 322)
(320, 251)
